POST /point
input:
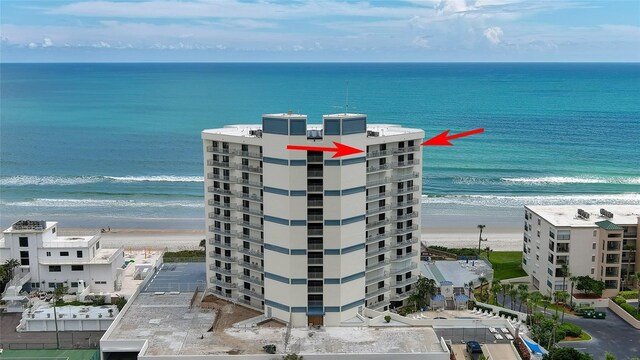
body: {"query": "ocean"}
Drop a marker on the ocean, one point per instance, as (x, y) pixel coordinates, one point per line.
(96, 145)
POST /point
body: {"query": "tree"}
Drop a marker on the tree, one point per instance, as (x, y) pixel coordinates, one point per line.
(480, 239)
(523, 295)
(534, 299)
(10, 267)
(496, 287)
(631, 249)
(637, 278)
(470, 284)
(483, 281)
(546, 301)
(488, 251)
(562, 353)
(203, 244)
(564, 270)
(562, 296)
(589, 286)
(513, 293)
(425, 288)
(609, 356)
(573, 280)
(505, 289)
(58, 293)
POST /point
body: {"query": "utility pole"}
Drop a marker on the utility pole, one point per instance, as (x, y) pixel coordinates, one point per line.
(480, 239)
(55, 321)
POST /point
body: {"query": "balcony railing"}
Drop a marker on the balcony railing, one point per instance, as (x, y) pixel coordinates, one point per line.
(377, 251)
(398, 297)
(404, 269)
(221, 218)
(377, 278)
(221, 191)
(314, 173)
(314, 218)
(252, 304)
(377, 292)
(252, 225)
(251, 265)
(405, 190)
(377, 237)
(254, 169)
(315, 188)
(220, 270)
(251, 197)
(220, 177)
(316, 232)
(405, 256)
(315, 289)
(252, 279)
(378, 153)
(403, 243)
(378, 210)
(251, 211)
(217, 149)
(248, 182)
(315, 246)
(378, 196)
(405, 177)
(405, 203)
(378, 265)
(221, 294)
(224, 284)
(410, 215)
(378, 304)
(220, 204)
(314, 302)
(222, 244)
(377, 223)
(214, 255)
(375, 168)
(315, 275)
(406, 149)
(314, 203)
(377, 182)
(221, 164)
(213, 229)
(405, 282)
(314, 159)
(247, 154)
(406, 163)
(250, 293)
(404, 230)
(250, 252)
(252, 239)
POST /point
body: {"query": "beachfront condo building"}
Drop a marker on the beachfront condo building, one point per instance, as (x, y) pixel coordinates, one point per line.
(46, 260)
(306, 237)
(592, 240)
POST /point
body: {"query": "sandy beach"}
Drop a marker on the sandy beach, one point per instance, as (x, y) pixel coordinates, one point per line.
(500, 239)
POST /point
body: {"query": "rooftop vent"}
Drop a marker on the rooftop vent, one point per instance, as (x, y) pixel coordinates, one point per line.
(371, 133)
(29, 225)
(256, 133)
(607, 214)
(583, 214)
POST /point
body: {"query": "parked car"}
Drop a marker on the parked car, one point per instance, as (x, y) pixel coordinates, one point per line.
(473, 347)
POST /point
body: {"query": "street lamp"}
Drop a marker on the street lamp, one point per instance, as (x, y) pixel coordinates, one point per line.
(480, 239)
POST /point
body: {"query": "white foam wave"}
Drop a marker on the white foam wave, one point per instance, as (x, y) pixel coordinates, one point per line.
(26, 180)
(80, 203)
(158, 178)
(571, 180)
(519, 201)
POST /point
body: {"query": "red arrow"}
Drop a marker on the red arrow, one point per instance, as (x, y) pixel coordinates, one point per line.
(340, 149)
(443, 138)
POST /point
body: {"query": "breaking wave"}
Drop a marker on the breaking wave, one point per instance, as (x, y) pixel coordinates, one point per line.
(27, 180)
(519, 201)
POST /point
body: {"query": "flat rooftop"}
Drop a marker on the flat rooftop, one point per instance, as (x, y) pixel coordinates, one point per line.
(246, 130)
(567, 215)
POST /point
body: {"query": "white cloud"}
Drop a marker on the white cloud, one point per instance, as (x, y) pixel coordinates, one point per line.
(421, 42)
(32, 45)
(46, 42)
(101, 44)
(493, 34)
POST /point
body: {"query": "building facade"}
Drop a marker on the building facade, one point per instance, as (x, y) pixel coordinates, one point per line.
(304, 237)
(48, 260)
(592, 240)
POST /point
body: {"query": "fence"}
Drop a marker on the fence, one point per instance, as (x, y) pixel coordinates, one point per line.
(68, 340)
(168, 259)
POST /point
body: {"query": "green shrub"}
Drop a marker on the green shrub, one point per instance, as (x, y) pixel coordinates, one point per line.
(631, 310)
(629, 294)
(571, 329)
(269, 349)
(484, 308)
(508, 314)
(619, 300)
(387, 318)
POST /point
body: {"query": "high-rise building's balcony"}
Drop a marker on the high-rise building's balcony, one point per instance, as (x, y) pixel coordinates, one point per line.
(315, 260)
(314, 158)
(249, 168)
(247, 182)
(378, 304)
(247, 196)
(404, 269)
(252, 279)
(406, 149)
(315, 188)
(315, 274)
(613, 245)
(612, 259)
(252, 239)
(251, 225)
(413, 240)
(315, 246)
(315, 289)
(400, 297)
(376, 168)
(250, 252)
(378, 153)
(377, 265)
(220, 177)
(406, 163)
(404, 217)
(222, 283)
(378, 210)
(404, 177)
(612, 272)
(219, 204)
(377, 237)
(219, 217)
(376, 182)
(218, 150)
(251, 293)
(314, 218)
(247, 154)
(220, 164)
(404, 256)
(375, 292)
(221, 244)
(314, 232)
(314, 173)
(404, 230)
(221, 294)
(314, 203)
(256, 305)
(376, 278)
(249, 210)
(214, 255)
(378, 196)
(377, 251)
(221, 270)
(220, 191)
(408, 189)
(251, 265)
(405, 282)
(378, 223)
(225, 232)
(314, 302)
(405, 203)
(562, 248)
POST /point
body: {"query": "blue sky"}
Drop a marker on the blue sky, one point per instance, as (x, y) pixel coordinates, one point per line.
(263, 30)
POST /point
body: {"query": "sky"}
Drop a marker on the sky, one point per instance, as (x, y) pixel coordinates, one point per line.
(320, 31)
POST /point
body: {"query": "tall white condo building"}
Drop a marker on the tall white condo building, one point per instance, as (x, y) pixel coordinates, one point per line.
(304, 237)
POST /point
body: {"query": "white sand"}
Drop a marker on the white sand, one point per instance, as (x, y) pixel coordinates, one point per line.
(503, 239)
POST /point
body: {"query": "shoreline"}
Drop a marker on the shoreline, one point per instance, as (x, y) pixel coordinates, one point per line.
(500, 239)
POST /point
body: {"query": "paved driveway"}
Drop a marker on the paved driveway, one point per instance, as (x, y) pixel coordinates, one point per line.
(611, 334)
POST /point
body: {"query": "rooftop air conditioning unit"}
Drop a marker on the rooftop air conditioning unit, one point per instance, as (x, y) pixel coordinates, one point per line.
(373, 133)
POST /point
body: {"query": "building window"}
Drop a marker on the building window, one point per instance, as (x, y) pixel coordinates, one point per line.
(593, 258)
(64, 253)
(55, 268)
(275, 126)
(74, 284)
(593, 271)
(24, 241)
(97, 245)
(593, 246)
(79, 253)
(297, 127)
(48, 253)
(100, 282)
(354, 126)
(52, 285)
(77, 267)
(332, 127)
(35, 285)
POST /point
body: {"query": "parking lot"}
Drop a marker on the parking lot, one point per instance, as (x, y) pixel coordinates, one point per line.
(183, 277)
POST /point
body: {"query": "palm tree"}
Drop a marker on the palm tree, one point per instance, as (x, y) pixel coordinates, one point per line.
(496, 287)
(522, 289)
(564, 269)
(10, 266)
(483, 280)
(513, 293)
(546, 300)
(573, 280)
(534, 299)
(488, 251)
(505, 288)
(631, 249)
(470, 288)
(480, 238)
(562, 296)
(523, 295)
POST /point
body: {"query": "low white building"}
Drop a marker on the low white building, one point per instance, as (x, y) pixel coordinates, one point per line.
(48, 260)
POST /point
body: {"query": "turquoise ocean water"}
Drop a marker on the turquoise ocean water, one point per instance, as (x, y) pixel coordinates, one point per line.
(119, 144)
